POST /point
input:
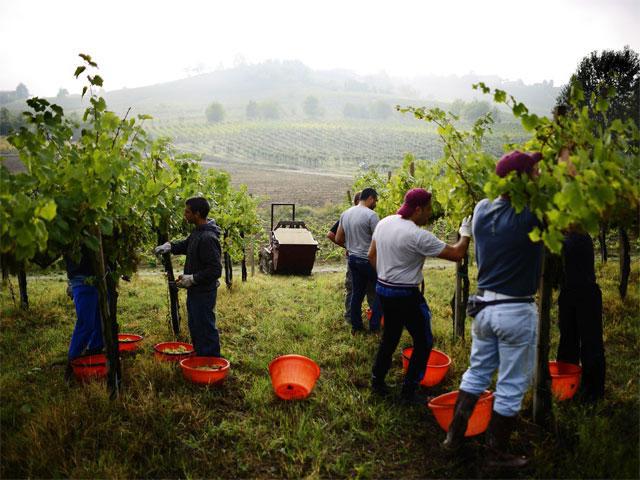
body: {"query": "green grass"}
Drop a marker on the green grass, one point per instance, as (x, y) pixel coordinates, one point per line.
(162, 426)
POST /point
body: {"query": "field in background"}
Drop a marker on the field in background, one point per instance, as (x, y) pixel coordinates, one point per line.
(164, 427)
(326, 146)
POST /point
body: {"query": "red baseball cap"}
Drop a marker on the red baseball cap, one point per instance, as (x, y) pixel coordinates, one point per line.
(416, 197)
(517, 161)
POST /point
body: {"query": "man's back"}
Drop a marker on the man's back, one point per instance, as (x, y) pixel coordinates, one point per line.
(358, 224)
(508, 261)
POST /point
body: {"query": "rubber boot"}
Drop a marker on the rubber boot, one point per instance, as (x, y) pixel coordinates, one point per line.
(465, 403)
(379, 387)
(498, 434)
(409, 395)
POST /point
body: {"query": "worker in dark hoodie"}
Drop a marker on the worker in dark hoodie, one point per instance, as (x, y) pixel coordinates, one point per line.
(202, 268)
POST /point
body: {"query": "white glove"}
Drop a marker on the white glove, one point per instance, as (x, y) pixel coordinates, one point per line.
(465, 227)
(185, 281)
(162, 249)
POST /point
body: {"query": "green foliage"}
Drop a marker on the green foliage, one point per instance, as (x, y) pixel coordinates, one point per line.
(112, 178)
(311, 107)
(597, 73)
(605, 157)
(215, 112)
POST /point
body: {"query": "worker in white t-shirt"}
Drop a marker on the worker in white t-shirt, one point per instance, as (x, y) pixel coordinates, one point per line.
(398, 250)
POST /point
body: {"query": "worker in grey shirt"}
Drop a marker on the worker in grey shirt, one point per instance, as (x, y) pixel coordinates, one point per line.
(354, 232)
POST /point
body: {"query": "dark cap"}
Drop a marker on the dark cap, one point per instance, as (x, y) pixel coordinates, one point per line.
(416, 197)
(517, 161)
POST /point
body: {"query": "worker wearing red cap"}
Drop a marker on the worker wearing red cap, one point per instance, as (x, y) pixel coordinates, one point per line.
(505, 324)
(398, 250)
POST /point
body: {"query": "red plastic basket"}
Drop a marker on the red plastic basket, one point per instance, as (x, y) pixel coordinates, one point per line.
(442, 409)
(162, 355)
(90, 367)
(128, 342)
(437, 366)
(565, 379)
(205, 377)
(370, 314)
(293, 376)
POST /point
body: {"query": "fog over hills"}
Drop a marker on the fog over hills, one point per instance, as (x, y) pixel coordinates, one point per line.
(289, 82)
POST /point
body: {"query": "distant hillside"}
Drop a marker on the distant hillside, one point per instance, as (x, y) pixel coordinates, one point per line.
(286, 85)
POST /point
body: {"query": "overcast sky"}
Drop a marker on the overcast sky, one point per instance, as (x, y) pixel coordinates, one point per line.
(141, 42)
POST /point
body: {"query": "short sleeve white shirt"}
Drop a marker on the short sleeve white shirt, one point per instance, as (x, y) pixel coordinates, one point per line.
(401, 248)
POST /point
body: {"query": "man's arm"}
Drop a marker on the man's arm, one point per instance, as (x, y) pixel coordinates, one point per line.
(180, 247)
(331, 235)
(373, 254)
(457, 251)
(340, 236)
(209, 256)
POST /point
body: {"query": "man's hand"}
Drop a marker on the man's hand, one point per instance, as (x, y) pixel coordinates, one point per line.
(162, 249)
(185, 281)
(465, 227)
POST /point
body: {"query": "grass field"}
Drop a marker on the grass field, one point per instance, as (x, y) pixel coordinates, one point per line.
(163, 427)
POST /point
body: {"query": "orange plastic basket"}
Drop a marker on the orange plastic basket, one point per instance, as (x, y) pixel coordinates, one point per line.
(565, 379)
(370, 314)
(205, 377)
(442, 409)
(293, 376)
(128, 342)
(90, 367)
(437, 366)
(161, 353)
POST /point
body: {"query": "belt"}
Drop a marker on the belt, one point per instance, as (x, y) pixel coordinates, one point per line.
(489, 296)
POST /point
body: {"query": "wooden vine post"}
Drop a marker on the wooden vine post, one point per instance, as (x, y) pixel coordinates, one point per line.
(107, 319)
(171, 284)
(542, 380)
(22, 286)
(625, 261)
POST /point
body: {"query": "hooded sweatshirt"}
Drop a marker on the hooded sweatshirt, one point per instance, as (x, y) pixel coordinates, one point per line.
(203, 252)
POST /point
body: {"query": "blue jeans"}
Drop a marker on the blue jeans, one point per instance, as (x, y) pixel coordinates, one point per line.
(202, 322)
(87, 334)
(348, 285)
(362, 274)
(503, 338)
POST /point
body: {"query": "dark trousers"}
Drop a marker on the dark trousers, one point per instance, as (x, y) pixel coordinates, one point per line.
(580, 319)
(202, 322)
(413, 313)
(363, 274)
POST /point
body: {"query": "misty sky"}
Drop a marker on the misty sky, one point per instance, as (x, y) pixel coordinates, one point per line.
(141, 42)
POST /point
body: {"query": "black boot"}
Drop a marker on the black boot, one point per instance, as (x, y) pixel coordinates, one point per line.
(379, 387)
(409, 395)
(498, 434)
(465, 403)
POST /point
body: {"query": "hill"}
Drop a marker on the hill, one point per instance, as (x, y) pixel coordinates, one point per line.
(288, 83)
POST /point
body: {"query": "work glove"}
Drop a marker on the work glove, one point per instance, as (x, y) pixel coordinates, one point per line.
(465, 227)
(162, 249)
(185, 281)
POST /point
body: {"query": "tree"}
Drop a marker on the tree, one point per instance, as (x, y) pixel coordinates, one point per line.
(380, 110)
(475, 109)
(215, 112)
(22, 91)
(597, 73)
(270, 110)
(252, 110)
(352, 110)
(311, 107)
